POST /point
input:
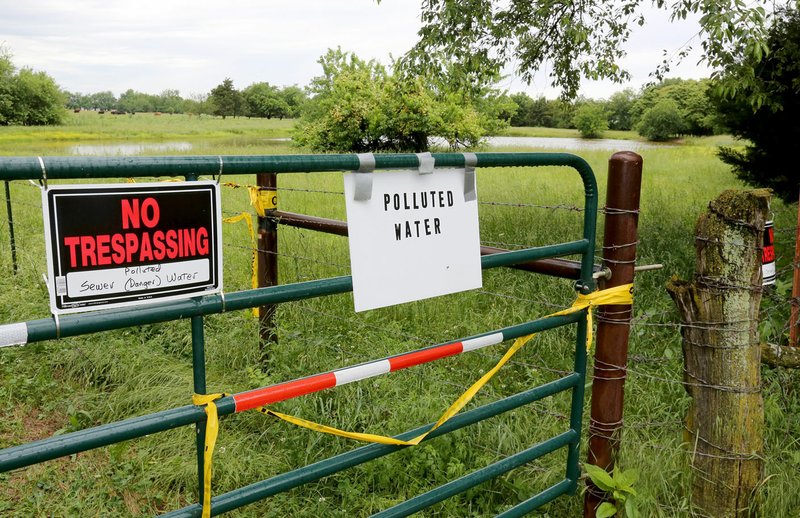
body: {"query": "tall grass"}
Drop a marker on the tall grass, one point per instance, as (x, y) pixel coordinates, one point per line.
(69, 384)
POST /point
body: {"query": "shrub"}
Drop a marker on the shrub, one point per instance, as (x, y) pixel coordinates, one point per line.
(662, 122)
(591, 120)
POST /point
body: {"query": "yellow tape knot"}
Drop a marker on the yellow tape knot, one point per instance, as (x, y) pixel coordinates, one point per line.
(622, 295)
(262, 199)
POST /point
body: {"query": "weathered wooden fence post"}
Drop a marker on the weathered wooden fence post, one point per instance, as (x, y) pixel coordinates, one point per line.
(719, 310)
(613, 322)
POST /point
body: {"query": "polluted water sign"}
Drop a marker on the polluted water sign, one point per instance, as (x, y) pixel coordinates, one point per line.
(127, 244)
(415, 237)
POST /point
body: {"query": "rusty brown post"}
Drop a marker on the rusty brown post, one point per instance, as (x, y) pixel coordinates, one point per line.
(267, 262)
(795, 285)
(613, 322)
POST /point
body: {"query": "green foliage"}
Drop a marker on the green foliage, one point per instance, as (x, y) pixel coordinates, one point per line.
(358, 106)
(690, 97)
(531, 112)
(620, 486)
(663, 121)
(295, 98)
(28, 98)
(620, 110)
(264, 100)
(579, 40)
(225, 99)
(770, 125)
(102, 100)
(591, 120)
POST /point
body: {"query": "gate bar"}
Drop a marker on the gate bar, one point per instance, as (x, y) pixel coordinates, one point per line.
(11, 229)
(70, 167)
(77, 324)
(480, 476)
(199, 383)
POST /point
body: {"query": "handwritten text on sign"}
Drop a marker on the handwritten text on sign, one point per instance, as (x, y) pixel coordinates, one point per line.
(415, 238)
(114, 245)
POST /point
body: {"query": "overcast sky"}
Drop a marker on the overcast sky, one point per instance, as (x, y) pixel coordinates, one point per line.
(148, 45)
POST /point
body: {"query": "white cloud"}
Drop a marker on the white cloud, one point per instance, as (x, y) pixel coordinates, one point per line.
(151, 45)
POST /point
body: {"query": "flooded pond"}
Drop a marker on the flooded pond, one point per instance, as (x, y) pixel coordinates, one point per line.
(127, 149)
(198, 147)
(573, 144)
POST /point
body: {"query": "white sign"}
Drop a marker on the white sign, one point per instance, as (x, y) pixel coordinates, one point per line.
(416, 237)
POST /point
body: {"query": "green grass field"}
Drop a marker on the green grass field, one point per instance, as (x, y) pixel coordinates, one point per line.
(65, 385)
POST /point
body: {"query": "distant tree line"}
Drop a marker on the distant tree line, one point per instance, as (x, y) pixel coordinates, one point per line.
(662, 111)
(257, 100)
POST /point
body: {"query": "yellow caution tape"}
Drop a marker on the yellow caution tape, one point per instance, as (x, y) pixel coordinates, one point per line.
(460, 403)
(262, 199)
(622, 295)
(212, 430)
(617, 295)
(248, 218)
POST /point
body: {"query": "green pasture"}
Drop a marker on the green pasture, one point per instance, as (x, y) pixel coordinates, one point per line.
(65, 385)
(229, 135)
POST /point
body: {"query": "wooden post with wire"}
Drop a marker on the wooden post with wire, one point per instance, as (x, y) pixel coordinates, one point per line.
(613, 322)
(722, 356)
(267, 263)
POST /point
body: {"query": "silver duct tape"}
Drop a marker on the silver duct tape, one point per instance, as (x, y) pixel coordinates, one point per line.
(363, 180)
(470, 162)
(426, 163)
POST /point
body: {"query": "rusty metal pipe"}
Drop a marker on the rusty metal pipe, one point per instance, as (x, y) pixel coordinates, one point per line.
(267, 270)
(563, 268)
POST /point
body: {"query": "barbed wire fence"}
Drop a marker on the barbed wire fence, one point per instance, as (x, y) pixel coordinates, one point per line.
(654, 366)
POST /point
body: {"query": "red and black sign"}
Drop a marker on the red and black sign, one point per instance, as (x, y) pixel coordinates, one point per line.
(114, 245)
(768, 272)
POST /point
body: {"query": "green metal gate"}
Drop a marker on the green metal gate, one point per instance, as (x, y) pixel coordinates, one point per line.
(62, 168)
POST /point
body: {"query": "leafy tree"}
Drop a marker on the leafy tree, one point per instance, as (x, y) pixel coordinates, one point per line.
(27, 97)
(691, 98)
(6, 86)
(620, 110)
(198, 103)
(591, 120)
(579, 39)
(76, 100)
(264, 100)
(131, 101)
(662, 122)
(772, 127)
(226, 99)
(169, 101)
(532, 112)
(295, 98)
(37, 99)
(357, 105)
(102, 100)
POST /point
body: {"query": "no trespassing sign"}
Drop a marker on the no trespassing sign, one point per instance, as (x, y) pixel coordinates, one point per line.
(126, 244)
